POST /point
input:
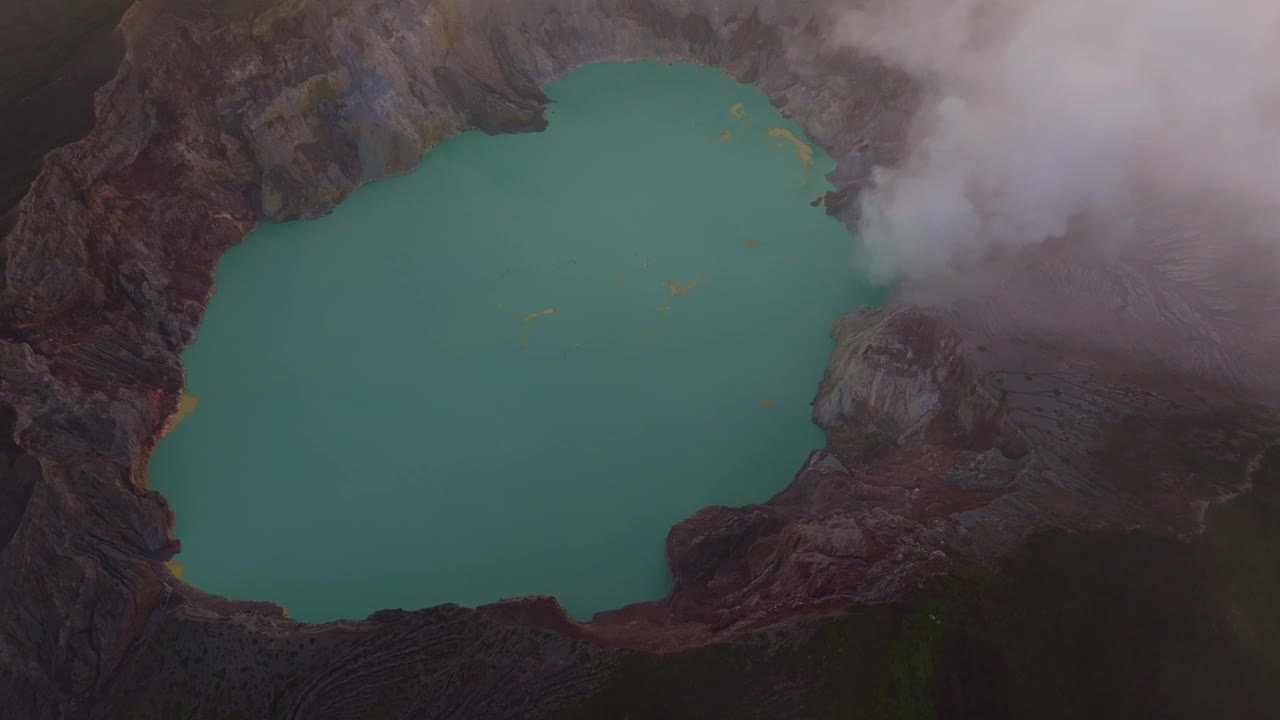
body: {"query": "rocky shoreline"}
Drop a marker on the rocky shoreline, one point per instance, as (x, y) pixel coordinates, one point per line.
(954, 431)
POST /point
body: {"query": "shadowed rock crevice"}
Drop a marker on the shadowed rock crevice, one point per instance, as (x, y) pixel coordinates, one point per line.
(949, 441)
(222, 115)
(19, 473)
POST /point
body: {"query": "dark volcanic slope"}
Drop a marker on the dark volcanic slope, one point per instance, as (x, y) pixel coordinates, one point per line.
(952, 437)
(57, 53)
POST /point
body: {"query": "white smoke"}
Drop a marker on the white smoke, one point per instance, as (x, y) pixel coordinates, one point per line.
(1042, 112)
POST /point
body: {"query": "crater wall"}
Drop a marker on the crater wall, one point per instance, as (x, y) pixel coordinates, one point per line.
(948, 441)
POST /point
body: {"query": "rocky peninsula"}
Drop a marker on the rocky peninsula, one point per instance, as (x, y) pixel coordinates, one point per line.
(1065, 394)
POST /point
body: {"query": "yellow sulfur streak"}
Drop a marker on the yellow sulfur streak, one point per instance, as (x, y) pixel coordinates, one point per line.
(803, 150)
(678, 289)
(186, 406)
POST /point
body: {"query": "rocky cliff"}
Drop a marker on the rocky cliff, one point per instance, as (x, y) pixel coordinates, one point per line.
(953, 434)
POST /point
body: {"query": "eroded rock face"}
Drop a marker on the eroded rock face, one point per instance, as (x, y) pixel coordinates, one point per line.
(946, 443)
(932, 461)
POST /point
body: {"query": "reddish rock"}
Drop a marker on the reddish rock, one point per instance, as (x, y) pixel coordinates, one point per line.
(953, 430)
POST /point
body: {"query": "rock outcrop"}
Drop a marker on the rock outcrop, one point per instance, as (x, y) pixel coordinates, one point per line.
(949, 441)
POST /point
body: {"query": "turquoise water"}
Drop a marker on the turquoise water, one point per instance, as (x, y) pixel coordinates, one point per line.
(387, 416)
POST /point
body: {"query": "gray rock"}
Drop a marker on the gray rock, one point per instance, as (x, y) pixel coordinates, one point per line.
(230, 113)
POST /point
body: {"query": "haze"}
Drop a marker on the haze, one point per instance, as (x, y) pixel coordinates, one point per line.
(1041, 113)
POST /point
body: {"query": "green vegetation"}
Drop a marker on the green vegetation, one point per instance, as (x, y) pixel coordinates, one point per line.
(1120, 625)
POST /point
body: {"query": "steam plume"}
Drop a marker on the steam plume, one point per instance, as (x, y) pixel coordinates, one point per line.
(1044, 112)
